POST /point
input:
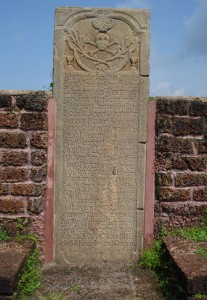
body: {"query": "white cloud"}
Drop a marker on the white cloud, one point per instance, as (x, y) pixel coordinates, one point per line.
(195, 40)
(186, 77)
(179, 92)
(165, 88)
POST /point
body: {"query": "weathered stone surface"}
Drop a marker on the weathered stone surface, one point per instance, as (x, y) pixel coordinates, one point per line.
(101, 136)
(13, 255)
(14, 158)
(39, 140)
(13, 140)
(196, 163)
(198, 108)
(163, 161)
(38, 174)
(163, 124)
(36, 104)
(164, 179)
(8, 120)
(33, 121)
(188, 126)
(202, 146)
(200, 194)
(27, 189)
(38, 157)
(32, 102)
(5, 101)
(12, 174)
(35, 205)
(20, 101)
(173, 194)
(190, 179)
(174, 144)
(11, 108)
(194, 211)
(179, 163)
(11, 205)
(178, 107)
(4, 189)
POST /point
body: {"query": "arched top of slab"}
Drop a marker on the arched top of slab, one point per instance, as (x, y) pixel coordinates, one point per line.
(134, 24)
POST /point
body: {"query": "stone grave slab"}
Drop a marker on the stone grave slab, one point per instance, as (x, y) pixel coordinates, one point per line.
(101, 85)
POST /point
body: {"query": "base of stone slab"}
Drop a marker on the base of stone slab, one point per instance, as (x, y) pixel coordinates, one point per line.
(99, 282)
(191, 267)
(13, 254)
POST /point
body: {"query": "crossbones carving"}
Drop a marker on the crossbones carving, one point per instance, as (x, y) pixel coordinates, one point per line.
(102, 44)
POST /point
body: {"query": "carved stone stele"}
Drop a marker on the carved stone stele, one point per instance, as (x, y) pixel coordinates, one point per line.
(101, 83)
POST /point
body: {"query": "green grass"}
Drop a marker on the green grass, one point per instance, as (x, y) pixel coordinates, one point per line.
(74, 288)
(27, 236)
(202, 251)
(3, 235)
(198, 234)
(152, 256)
(200, 296)
(30, 279)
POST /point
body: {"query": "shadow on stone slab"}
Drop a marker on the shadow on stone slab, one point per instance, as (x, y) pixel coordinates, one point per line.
(13, 255)
(191, 267)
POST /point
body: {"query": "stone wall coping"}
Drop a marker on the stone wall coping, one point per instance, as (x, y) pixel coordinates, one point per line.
(25, 92)
(178, 98)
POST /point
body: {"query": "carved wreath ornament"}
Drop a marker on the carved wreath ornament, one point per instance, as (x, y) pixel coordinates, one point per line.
(104, 54)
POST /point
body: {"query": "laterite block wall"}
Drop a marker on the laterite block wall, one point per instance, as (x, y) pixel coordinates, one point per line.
(23, 161)
(180, 161)
(26, 164)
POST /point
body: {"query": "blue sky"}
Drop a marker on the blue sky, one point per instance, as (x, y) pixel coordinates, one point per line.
(178, 55)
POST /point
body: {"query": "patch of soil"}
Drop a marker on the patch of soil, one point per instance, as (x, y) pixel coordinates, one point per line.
(99, 282)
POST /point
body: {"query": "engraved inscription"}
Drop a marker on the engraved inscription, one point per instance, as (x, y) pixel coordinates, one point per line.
(100, 164)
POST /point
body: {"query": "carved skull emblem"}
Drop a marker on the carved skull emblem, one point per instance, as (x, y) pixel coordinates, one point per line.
(102, 41)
